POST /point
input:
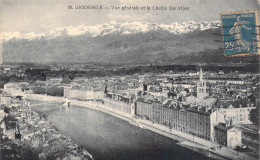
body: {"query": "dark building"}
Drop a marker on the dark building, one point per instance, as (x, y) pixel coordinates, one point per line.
(227, 135)
(195, 120)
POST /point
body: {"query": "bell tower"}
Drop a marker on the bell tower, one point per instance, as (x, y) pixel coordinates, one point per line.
(201, 86)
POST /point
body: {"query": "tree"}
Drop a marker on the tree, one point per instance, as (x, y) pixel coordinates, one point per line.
(55, 91)
(27, 153)
(6, 110)
(65, 80)
(38, 90)
(254, 116)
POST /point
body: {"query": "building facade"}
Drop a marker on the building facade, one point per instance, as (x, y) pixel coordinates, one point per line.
(146, 110)
(119, 102)
(191, 120)
(82, 94)
(228, 135)
(240, 115)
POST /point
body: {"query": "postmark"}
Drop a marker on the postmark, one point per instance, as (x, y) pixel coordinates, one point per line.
(240, 33)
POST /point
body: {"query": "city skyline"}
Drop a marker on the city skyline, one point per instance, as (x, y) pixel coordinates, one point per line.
(211, 110)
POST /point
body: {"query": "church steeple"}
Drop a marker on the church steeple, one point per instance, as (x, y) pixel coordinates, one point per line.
(201, 86)
(201, 74)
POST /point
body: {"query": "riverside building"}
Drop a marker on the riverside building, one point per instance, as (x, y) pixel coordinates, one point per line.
(196, 118)
(228, 135)
(120, 102)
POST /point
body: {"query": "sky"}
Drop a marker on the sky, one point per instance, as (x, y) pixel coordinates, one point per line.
(40, 16)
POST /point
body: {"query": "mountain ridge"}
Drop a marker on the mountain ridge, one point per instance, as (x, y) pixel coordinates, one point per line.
(113, 28)
(116, 43)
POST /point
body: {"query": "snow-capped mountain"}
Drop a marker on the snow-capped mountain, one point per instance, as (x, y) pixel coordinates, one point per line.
(114, 28)
(113, 43)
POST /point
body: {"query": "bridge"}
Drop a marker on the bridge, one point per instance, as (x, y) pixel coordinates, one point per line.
(67, 102)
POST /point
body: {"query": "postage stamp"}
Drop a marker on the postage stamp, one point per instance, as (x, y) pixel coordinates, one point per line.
(240, 33)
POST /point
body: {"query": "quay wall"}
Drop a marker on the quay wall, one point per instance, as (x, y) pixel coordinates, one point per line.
(145, 124)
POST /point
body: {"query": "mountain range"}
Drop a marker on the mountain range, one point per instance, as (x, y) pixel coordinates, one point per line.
(124, 43)
(114, 28)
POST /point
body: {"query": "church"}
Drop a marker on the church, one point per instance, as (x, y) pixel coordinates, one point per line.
(202, 97)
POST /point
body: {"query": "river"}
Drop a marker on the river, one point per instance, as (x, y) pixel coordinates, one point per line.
(107, 137)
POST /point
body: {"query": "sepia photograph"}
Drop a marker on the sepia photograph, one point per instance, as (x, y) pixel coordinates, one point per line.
(129, 79)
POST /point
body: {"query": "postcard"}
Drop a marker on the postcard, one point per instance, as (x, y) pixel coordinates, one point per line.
(129, 79)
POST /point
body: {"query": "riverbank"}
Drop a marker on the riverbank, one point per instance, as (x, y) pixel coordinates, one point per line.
(206, 147)
(159, 129)
(209, 148)
(34, 133)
